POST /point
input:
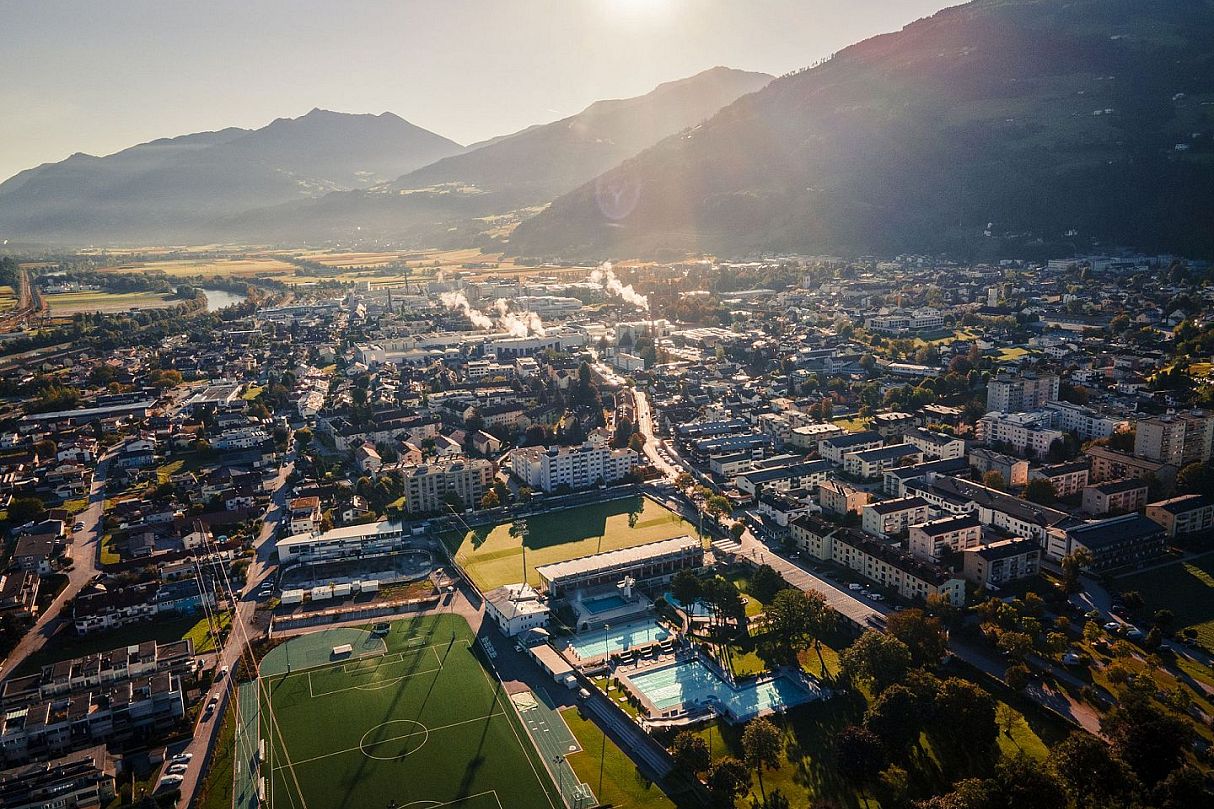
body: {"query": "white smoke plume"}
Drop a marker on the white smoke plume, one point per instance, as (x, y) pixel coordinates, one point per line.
(519, 325)
(458, 300)
(614, 286)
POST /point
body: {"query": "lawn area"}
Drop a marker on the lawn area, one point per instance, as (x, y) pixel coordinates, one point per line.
(853, 425)
(959, 334)
(492, 557)
(109, 556)
(252, 393)
(215, 791)
(69, 303)
(1011, 354)
(76, 505)
(414, 718)
(8, 298)
(622, 784)
(66, 644)
(1185, 588)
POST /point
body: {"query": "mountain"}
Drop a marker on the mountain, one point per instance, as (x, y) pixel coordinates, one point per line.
(171, 189)
(1043, 123)
(447, 199)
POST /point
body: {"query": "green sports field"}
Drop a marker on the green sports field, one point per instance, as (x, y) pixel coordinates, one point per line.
(413, 718)
(492, 557)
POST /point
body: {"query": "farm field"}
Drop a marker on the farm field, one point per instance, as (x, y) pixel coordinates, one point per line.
(70, 303)
(1185, 588)
(8, 298)
(224, 267)
(492, 557)
(412, 719)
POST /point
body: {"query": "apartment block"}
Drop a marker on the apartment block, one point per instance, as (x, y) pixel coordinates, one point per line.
(1177, 439)
(1115, 496)
(893, 517)
(1186, 514)
(930, 540)
(1012, 394)
(426, 486)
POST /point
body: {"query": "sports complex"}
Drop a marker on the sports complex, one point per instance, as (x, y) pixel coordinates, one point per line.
(408, 715)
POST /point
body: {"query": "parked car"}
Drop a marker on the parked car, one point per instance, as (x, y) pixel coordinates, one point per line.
(171, 780)
(1112, 626)
(855, 586)
(182, 758)
(79, 526)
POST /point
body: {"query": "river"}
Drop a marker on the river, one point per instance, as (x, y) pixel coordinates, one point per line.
(221, 299)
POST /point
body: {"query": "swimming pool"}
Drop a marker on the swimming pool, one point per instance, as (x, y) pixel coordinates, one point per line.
(602, 604)
(692, 684)
(698, 609)
(596, 642)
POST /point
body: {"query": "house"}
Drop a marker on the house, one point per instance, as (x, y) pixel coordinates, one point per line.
(303, 515)
(1186, 514)
(33, 552)
(367, 459)
(19, 593)
(106, 609)
(486, 444)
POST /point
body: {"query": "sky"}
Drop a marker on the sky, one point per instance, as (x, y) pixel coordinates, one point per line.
(96, 77)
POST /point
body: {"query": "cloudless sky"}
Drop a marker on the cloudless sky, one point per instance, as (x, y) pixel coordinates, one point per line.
(97, 76)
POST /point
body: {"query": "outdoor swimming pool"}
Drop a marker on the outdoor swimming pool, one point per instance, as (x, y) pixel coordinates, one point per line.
(691, 684)
(698, 609)
(596, 642)
(602, 604)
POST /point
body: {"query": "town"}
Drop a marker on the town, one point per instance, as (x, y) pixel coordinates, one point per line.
(776, 532)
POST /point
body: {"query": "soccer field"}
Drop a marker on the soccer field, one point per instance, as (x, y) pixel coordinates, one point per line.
(415, 719)
(492, 557)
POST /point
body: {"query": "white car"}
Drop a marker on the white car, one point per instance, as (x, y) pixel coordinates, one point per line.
(182, 758)
(171, 780)
(855, 586)
(177, 769)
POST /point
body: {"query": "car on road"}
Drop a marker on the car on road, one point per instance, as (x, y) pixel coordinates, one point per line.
(1112, 626)
(79, 526)
(855, 586)
(171, 780)
(177, 769)
(182, 758)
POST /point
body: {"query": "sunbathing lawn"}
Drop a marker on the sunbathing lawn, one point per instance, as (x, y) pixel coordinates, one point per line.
(492, 557)
(622, 784)
(1185, 588)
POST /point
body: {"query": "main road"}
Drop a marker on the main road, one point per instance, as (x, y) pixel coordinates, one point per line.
(85, 549)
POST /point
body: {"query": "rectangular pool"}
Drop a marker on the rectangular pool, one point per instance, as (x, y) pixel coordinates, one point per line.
(691, 684)
(601, 604)
(596, 642)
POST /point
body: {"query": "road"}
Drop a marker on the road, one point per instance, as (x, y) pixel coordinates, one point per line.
(207, 730)
(86, 547)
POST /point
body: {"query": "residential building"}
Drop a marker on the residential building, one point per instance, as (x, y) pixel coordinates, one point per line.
(1001, 562)
(516, 608)
(1085, 422)
(955, 533)
(1022, 432)
(892, 425)
(1013, 394)
(936, 446)
(833, 449)
(1177, 439)
(86, 778)
(591, 464)
(1014, 471)
(347, 542)
(807, 475)
(1108, 464)
(1068, 478)
(871, 464)
(894, 517)
(1115, 496)
(809, 436)
(1186, 514)
(429, 487)
(838, 497)
(1130, 540)
(303, 515)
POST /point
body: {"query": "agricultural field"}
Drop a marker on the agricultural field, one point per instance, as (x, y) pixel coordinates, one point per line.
(70, 303)
(410, 719)
(235, 267)
(8, 298)
(492, 557)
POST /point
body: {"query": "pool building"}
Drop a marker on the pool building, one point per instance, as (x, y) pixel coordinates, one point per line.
(649, 564)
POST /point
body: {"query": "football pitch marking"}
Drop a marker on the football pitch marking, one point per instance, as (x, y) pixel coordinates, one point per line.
(424, 804)
(362, 744)
(354, 668)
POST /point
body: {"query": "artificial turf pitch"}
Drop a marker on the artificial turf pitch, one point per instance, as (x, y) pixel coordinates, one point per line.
(421, 722)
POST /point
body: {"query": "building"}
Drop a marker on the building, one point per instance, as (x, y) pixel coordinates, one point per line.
(833, 449)
(1014, 471)
(1085, 422)
(347, 542)
(33, 553)
(876, 560)
(652, 563)
(1108, 464)
(19, 592)
(303, 515)
(1068, 478)
(516, 608)
(1012, 515)
(1011, 394)
(894, 481)
(809, 436)
(892, 425)
(807, 475)
(1130, 540)
(1001, 562)
(838, 497)
(99, 669)
(86, 778)
(926, 319)
(430, 487)
(871, 464)
(1115, 496)
(894, 517)
(1022, 432)
(1177, 439)
(955, 533)
(1186, 514)
(936, 446)
(109, 609)
(592, 464)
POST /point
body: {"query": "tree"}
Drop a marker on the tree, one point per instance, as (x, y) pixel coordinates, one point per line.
(994, 480)
(736, 530)
(1182, 789)
(965, 714)
(876, 659)
(1150, 740)
(717, 506)
(765, 583)
(690, 753)
(1022, 783)
(923, 635)
(1092, 774)
(968, 793)
(1016, 676)
(728, 779)
(896, 717)
(858, 754)
(490, 500)
(454, 502)
(1072, 565)
(686, 587)
(636, 443)
(1016, 645)
(25, 509)
(1040, 490)
(761, 746)
(684, 481)
(797, 618)
(303, 437)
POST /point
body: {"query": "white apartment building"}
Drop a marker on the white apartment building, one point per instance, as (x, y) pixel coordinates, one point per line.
(548, 468)
(1009, 394)
(891, 517)
(427, 487)
(348, 542)
(936, 446)
(958, 533)
(1083, 421)
(1023, 432)
(1177, 439)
